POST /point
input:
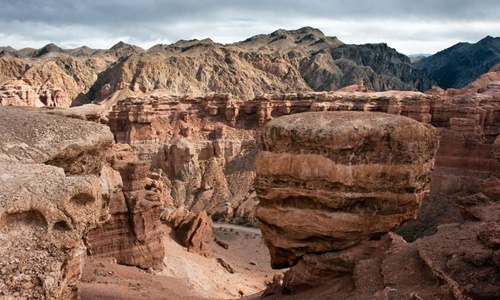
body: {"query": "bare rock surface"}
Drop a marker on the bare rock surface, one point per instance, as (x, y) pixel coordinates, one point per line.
(329, 181)
(466, 255)
(27, 92)
(459, 261)
(77, 147)
(50, 194)
(131, 234)
(194, 231)
(284, 60)
(206, 144)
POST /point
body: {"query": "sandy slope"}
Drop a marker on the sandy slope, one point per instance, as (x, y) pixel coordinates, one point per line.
(186, 275)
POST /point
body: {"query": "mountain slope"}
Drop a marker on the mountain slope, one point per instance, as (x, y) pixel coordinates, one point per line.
(462, 63)
(283, 61)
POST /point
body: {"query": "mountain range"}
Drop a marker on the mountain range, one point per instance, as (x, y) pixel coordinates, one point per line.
(459, 65)
(282, 61)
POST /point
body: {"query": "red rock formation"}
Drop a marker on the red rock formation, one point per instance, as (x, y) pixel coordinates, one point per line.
(460, 261)
(28, 93)
(132, 234)
(19, 93)
(222, 128)
(329, 181)
(194, 231)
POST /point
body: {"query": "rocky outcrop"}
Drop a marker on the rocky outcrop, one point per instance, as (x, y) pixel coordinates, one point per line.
(460, 261)
(193, 231)
(132, 233)
(67, 193)
(28, 93)
(466, 256)
(329, 181)
(207, 165)
(206, 146)
(51, 193)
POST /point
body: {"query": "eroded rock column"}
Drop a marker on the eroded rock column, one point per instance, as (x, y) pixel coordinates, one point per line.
(328, 181)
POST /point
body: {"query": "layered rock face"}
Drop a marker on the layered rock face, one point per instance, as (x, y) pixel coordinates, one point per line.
(206, 144)
(28, 93)
(66, 192)
(328, 181)
(327, 219)
(51, 193)
(207, 164)
(132, 233)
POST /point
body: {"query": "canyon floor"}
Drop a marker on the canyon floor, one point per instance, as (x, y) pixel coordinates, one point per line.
(187, 275)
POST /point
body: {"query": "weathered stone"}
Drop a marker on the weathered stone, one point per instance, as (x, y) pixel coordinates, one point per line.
(132, 234)
(218, 147)
(194, 231)
(328, 181)
(45, 210)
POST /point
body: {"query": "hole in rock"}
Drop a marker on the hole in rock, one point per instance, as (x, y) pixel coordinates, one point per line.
(376, 236)
(61, 226)
(26, 222)
(82, 199)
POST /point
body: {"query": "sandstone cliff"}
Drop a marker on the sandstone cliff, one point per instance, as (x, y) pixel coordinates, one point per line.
(132, 233)
(206, 145)
(64, 195)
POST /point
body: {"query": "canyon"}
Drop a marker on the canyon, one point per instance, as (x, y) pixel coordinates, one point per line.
(162, 152)
(360, 190)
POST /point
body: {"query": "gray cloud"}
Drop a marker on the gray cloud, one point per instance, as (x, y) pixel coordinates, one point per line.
(409, 26)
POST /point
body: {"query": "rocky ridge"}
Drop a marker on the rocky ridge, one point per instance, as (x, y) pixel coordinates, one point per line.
(283, 61)
(447, 67)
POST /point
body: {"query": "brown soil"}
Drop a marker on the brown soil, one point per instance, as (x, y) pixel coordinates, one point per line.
(186, 275)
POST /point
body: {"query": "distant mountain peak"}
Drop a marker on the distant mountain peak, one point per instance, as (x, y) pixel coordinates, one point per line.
(120, 45)
(488, 40)
(127, 47)
(447, 67)
(49, 48)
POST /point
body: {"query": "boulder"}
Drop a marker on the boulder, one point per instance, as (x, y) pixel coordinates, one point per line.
(331, 180)
(193, 231)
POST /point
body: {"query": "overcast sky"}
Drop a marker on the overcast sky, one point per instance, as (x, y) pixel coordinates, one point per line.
(410, 26)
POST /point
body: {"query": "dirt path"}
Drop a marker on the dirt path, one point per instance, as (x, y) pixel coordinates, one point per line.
(251, 230)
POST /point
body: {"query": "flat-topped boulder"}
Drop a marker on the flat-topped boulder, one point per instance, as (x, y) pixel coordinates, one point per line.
(330, 180)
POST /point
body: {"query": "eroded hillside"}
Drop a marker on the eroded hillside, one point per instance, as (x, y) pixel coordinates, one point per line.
(283, 61)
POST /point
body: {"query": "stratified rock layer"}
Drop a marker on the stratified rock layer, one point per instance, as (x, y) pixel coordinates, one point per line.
(328, 181)
(132, 233)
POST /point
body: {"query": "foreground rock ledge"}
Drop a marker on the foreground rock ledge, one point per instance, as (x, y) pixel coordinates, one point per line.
(50, 195)
(330, 180)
